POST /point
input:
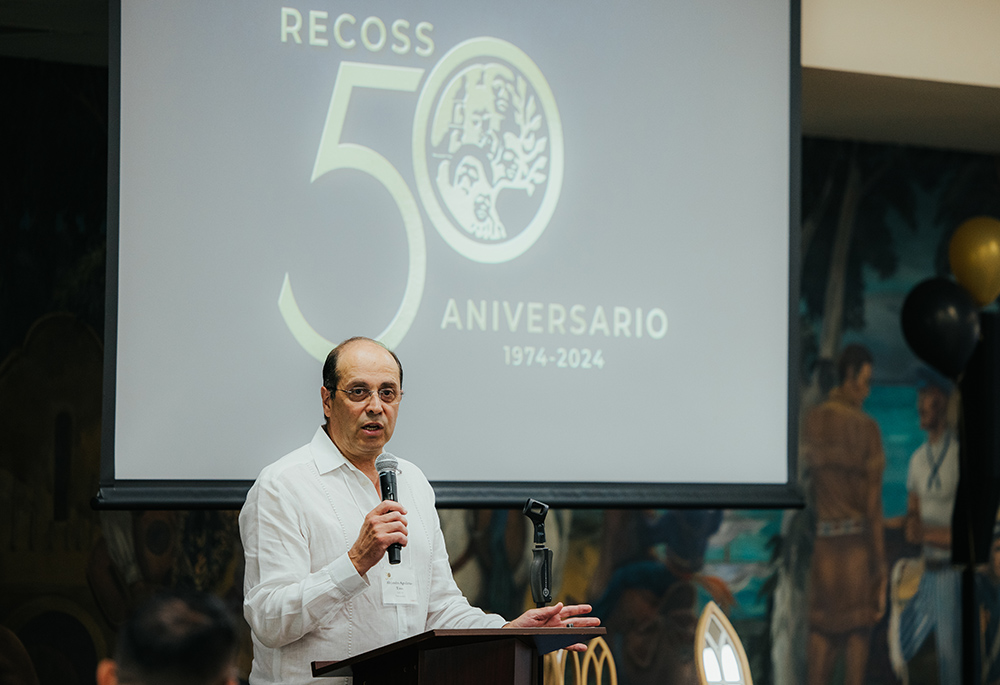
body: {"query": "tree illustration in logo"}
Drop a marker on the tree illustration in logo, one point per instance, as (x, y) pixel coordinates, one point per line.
(487, 137)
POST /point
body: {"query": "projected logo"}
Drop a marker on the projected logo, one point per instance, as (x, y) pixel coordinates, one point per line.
(488, 163)
(488, 150)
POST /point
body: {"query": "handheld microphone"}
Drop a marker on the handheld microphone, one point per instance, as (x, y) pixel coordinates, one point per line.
(386, 465)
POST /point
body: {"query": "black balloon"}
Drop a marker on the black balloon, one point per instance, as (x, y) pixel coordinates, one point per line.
(941, 324)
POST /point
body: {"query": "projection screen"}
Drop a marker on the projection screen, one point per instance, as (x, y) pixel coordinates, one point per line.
(570, 220)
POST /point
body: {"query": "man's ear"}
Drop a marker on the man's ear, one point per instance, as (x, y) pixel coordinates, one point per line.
(327, 398)
(107, 672)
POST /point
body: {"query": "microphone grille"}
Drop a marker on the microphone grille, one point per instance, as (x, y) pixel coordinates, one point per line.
(386, 462)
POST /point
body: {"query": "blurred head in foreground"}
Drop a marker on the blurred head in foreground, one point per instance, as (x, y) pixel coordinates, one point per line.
(175, 638)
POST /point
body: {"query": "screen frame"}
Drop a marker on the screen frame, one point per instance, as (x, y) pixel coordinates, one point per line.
(114, 493)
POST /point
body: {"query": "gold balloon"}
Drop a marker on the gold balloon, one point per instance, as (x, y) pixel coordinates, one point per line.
(974, 254)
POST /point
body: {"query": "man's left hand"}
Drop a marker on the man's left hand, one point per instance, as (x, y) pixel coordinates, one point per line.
(558, 616)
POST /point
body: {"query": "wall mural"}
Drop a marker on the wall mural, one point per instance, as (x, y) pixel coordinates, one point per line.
(865, 586)
(855, 588)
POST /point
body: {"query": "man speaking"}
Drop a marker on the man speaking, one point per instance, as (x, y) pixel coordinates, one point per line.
(318, 584)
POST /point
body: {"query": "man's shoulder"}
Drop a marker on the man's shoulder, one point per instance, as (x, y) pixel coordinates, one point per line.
(408, 467)
(915, 454)
(286, 466)
(914, 465)
(279, 485)
(412, 473)
(833, 410)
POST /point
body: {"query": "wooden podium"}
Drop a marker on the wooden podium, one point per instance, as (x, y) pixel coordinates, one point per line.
(493, 656)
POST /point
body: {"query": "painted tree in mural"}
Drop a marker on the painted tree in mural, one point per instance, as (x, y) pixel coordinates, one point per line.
(848, 190)
(970, 188)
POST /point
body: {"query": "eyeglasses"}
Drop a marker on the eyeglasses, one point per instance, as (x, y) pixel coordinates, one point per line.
(362, 394)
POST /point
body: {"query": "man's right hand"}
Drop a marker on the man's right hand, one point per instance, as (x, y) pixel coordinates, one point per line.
(384, 525)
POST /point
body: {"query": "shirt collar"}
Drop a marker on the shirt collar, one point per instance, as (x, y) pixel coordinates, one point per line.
(326, 455)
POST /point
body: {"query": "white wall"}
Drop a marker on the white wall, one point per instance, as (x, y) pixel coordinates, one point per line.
(956, 41)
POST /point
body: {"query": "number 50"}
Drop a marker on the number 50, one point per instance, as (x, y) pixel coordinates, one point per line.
(334, 154)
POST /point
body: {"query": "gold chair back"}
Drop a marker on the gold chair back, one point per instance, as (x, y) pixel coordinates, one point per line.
(595, 667)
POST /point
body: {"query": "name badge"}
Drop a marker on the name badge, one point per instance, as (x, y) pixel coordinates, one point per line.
(399, 586)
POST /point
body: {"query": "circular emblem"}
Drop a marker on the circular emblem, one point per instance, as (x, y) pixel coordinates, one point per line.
(488, 150)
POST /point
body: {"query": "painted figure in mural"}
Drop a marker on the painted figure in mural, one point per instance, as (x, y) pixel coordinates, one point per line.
(318, 583)
(988, 600)
(844, 456)
(176, 638)
(931, 483)
(646, 586)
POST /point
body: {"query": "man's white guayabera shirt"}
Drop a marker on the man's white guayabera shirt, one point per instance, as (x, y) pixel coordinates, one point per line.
(303, 598)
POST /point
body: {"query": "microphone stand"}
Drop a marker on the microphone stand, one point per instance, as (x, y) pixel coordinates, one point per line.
(540, 574)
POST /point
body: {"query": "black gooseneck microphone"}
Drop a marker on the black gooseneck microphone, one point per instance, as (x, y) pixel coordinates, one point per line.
(386, 465)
